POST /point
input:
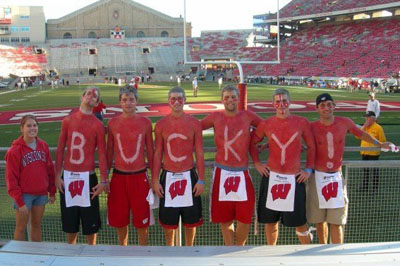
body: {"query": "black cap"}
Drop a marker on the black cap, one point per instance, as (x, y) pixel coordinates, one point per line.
(370, 113)
(322, 98)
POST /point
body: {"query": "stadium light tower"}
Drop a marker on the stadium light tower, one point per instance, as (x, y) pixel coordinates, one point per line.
(242, 85)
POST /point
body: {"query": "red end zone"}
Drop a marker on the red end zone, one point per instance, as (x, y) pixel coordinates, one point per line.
(51, 115)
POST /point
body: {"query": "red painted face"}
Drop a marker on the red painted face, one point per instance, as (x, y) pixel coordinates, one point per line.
(176, 101)
(230, 100)
(281, 103)
(91, 96)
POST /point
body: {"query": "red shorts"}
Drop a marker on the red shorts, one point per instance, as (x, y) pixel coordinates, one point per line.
(128, 192)
(226, 211)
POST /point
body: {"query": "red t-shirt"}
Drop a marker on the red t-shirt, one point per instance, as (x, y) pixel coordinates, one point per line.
(330, 141)
(129, 142)
(82, 134)
(99, 108)
(176, 139)
(231, 136)
(284, 140)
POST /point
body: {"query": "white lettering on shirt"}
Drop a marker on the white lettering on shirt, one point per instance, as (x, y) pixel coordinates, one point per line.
(135, 156)
(171, 137)
(77, 147)
(228, 143)
(284, 146)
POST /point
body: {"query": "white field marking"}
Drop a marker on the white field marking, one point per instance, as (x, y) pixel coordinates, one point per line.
(17, 100)
(209, 131)
(6, 92)
(4, 105)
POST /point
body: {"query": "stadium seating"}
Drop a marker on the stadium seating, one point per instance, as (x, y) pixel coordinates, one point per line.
(21, 61)
(362, 49)
(72, 56)
(308, 7)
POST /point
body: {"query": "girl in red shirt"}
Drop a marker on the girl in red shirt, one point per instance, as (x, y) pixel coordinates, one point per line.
(30, 179)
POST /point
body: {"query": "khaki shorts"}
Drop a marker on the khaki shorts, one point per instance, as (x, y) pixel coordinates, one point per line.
(315, 214)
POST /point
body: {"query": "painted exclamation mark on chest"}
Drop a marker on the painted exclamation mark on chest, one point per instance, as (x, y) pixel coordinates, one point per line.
(331, 149)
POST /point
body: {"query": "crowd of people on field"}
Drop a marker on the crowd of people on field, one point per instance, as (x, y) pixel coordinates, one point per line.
(289, 194)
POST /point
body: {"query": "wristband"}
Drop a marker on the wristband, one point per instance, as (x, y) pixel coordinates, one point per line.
(201, 182)
(308, 170)
(376, 142)
(104, 182)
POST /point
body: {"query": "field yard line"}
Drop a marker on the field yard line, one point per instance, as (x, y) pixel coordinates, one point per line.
(5, 92)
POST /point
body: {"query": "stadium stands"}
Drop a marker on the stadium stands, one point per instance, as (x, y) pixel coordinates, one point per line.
(306, 7)
(138, 54)
(21, 61)
(368, 48)
(361, 48)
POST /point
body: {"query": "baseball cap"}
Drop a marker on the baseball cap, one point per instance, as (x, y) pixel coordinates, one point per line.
(370, 113)
(372, 94)
(322, 98)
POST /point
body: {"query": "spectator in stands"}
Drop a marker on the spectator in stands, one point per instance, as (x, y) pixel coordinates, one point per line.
(177, 136)
(30, 179)
(232, 130)
(282, 193)
(81, 133)
(327, 200)
(98, 110)
(195, 86)
(373, 105)
(372, 128)
(178, 80)
(129, 144)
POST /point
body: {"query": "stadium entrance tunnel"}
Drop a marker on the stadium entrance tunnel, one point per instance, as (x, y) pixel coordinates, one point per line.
(92, 71)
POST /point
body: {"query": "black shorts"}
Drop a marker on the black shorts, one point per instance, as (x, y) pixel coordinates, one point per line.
(71, 217)
(289, 219)
(191, 216)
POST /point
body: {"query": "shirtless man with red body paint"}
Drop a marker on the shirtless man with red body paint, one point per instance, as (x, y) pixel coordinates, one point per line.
(81, 133)
(282, 193)
(232, 196)
(326, 190)
(179, 187)
(129, 143)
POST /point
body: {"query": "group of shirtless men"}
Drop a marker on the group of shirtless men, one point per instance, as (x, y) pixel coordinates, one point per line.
(129, 151)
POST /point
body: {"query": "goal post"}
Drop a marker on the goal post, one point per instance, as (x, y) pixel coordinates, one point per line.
(242, 83)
